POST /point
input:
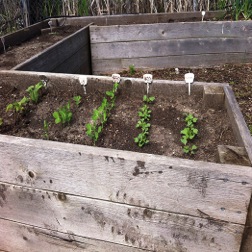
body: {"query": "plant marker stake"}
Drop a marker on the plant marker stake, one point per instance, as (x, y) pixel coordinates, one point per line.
(203, 13)
(116, 78)
(189, 77)
(83, 82)
(50, 24)
(148, 80)
(3, 42)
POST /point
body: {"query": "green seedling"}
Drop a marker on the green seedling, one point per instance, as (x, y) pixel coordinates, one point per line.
(18, 106)
(63, 115)
(188, 134)
(77, 100)
(143, 123)
(148, 99)
(46, 129)
(1, 121)
(34, 91)
(101, 114)
(132, 69)
(250, 129)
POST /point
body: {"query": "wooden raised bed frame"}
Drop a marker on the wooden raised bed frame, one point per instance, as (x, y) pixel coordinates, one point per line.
(57, 196)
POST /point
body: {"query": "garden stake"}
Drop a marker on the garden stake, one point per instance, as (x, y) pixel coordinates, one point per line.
(189, 77)
(83, 82)
(148, 80)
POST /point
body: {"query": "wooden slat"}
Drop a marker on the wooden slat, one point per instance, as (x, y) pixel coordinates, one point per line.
(181, 186)
(156, 48)
(59, 53)
(22, 238)
(118, 223)
(116, 65)
(142, 18)
(239, 125)
(166, 31)
(23, 35)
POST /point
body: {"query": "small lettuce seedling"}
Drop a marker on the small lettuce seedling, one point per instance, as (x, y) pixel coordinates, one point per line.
(77, 100)
(101, 114)
(18, 106)
(34, 91)
(143, 123)
(63, 115)
(188, 134)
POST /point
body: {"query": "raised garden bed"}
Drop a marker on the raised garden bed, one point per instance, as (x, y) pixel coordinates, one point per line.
(123, 200)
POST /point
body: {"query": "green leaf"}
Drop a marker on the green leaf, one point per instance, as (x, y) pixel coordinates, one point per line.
(184, 140)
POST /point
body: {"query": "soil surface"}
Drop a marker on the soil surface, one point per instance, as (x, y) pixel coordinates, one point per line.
(19, 53)
(238, 76)
(167, 120)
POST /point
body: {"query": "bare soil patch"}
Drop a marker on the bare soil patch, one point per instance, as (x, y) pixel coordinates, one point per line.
(239, 76)
(167, 121)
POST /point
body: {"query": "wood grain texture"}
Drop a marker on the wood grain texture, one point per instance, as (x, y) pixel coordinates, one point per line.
(22, 238)
(118, 223)
(239, 125)
(50, 59)
(175, 185)
(203, 60)
(142, 18)
(162, 48)
(164, 31)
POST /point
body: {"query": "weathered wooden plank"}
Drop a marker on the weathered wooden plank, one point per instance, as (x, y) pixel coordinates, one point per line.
(162, 48)
(118, 223)
(49, 59)
(239, 125)
(181, 186)
(22, 238)
(143, 18)
(167, 31)
(22, 35)
(201, 60)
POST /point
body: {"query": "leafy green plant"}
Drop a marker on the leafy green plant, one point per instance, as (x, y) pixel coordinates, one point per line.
(18, 106)
(188, 134)
(77, 100)
(132, 69)
(143, 123)
(63, 114)
(46, 129)
(242, 7)
(34, 91)
(101, 114)
(1, 121)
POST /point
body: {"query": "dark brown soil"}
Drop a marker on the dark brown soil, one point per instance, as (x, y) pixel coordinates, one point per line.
(238, 76)
(19, 53)
(167, 122)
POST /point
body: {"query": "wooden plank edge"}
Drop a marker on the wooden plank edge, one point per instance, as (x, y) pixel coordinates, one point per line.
(23, 237)
(239, 125)
(146, 228)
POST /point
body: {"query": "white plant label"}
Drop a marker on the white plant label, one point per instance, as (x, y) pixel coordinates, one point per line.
(116, 78)
(147, 78)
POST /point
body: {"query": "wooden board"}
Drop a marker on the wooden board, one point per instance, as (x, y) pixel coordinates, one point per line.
(59, 57)
(162, 48)
(115, 65)
(122, 33)
(123, 224)
(22, 238)
(219, 191)
(22, 35)
(239, 126)
(114, 48)
(141, 18)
